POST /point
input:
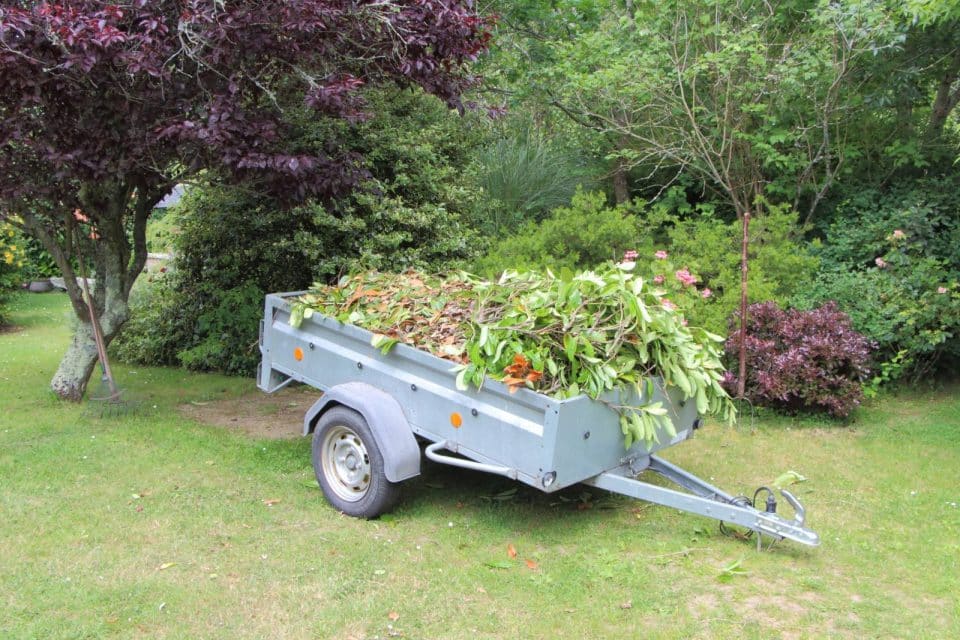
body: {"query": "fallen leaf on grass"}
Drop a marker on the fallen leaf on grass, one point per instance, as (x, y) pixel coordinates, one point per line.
(271, 502)
(165, 566)
(393, 615)
(531, 564)
(627, 605)
(732, 570)
(511, 551)
(787, 479)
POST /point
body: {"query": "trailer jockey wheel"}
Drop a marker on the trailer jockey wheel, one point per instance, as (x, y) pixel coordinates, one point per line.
(349, 466)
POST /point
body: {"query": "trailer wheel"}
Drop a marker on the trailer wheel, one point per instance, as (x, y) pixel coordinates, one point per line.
(349, 466)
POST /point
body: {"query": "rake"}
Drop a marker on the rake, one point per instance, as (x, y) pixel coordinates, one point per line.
(108, 396)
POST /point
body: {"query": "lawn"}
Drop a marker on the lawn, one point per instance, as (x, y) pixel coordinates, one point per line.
(155, 526)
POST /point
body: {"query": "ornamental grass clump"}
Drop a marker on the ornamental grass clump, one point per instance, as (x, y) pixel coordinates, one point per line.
(586, 333)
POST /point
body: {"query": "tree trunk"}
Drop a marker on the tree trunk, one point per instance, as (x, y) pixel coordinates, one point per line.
(114, 277)
(70, 380)
(77, 365)
(621, 192)
(945, 100)
(744, 261)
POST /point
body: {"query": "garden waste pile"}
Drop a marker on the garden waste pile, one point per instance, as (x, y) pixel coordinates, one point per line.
(585, 333)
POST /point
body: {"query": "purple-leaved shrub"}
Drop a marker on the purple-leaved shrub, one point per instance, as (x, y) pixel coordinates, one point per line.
(801, 360)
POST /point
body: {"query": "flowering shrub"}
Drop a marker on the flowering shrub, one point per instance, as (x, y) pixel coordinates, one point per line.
(11, 262)
(709, 247)
(891, 263)
(802, 360)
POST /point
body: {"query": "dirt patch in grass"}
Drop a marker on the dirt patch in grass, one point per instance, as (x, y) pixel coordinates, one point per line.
(9, 328)
(262, 415)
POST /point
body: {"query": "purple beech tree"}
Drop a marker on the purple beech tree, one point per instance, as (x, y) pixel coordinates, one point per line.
(105, 106)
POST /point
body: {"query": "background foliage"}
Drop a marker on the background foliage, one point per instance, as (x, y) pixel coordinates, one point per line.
(891, 260)
(12, 258)
(841, 130)
(234, 245)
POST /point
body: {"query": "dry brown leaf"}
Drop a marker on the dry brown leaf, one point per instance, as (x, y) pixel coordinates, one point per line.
(393, 615)
(531, 564)
(271, 502)
(627, 605)
(511, 551)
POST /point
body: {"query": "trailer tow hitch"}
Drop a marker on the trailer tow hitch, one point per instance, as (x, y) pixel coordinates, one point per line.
(707, 500)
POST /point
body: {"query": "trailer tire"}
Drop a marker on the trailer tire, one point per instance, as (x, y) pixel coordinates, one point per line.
(349, 465)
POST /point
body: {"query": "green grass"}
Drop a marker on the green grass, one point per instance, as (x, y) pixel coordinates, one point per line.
(149, 526)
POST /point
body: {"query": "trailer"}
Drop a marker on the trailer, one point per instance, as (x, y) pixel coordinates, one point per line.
(377, 408)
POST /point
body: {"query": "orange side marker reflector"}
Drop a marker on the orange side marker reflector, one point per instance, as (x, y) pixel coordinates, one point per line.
(456, 420)
(298, 354)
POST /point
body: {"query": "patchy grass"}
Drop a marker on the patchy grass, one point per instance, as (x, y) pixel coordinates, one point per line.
(157, 526)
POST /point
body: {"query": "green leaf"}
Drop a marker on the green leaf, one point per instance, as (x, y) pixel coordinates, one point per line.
(382, 342)
(787, 479)
(296, 316)
(570, 346)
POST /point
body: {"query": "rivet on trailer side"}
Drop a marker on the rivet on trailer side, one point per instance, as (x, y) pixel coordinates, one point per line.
(374, 407)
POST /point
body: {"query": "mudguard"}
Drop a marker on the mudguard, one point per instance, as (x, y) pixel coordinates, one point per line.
(401, 453)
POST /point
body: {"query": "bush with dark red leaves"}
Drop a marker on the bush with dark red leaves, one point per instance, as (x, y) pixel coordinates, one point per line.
(801, 360)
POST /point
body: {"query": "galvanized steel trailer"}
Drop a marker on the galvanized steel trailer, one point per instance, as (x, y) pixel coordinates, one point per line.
(376, 406)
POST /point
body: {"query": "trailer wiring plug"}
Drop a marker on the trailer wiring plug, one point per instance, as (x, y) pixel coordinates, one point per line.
(771, 504)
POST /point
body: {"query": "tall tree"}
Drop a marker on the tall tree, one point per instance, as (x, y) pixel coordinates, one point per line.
(753, 98)
(106, 105)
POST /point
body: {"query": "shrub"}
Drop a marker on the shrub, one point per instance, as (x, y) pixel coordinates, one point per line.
(801, 360)
(910, 310)
(161, 321)
(710, 247)
(581, 236)
(11, 263)
(588, 233)
(233, 245)
(891, 261)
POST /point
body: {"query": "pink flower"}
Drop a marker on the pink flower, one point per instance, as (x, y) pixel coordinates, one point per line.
(669, 306)
(683, 321)
(661, 255)
(941, 289)
(630, 256)
(880, 262)
(658, 279)
(898, 234)
(685, 277)
(706, 293)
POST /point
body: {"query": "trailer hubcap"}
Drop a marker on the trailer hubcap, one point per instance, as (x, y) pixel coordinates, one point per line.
(346, 463)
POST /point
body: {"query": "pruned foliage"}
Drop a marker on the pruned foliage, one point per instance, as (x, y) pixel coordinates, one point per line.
(590, 332)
